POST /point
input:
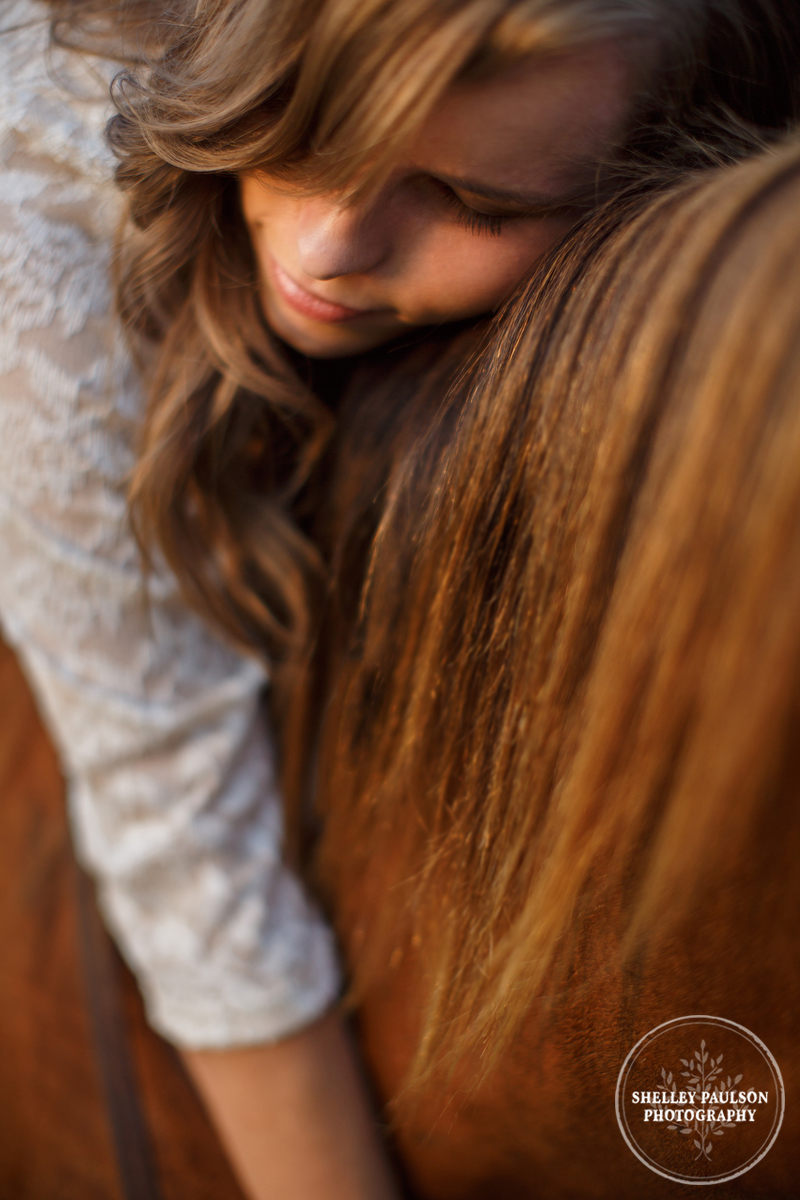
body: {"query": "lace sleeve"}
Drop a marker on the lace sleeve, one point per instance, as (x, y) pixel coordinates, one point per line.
(172, 795)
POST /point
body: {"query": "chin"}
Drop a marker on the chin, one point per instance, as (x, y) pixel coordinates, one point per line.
(315, 347)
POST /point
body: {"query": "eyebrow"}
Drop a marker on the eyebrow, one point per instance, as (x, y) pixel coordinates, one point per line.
(538, 202)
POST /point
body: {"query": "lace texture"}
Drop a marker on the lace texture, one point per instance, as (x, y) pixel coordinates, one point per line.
(172, 794)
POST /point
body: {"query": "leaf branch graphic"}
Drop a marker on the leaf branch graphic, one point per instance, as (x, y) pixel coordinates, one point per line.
(702, 1071)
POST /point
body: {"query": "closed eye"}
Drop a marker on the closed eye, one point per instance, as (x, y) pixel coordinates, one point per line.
(478, 220)
(473, 219)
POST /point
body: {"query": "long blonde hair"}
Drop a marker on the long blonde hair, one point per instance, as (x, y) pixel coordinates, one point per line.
(319, 92)
(575, 690)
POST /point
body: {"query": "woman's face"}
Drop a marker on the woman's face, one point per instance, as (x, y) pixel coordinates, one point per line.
(497, 173)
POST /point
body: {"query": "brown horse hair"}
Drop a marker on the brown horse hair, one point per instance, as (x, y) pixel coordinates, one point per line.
(320, 92)
(578, 674)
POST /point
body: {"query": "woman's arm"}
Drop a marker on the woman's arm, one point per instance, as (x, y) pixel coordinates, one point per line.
(172, 792)
(294, 1117)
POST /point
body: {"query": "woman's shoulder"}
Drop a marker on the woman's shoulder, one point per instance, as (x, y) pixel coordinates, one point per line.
(69, 395)
(54, 102)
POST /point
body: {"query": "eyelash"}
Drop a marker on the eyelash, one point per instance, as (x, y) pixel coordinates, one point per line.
(470, 218)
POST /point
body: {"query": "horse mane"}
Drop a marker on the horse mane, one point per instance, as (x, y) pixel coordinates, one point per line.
(571, 699)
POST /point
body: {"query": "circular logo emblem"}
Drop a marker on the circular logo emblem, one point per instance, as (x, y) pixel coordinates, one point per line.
(700, 1100)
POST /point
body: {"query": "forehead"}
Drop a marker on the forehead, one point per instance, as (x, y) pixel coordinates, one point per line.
(539, 123)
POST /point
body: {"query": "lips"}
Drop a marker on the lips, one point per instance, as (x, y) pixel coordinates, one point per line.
(310, 305)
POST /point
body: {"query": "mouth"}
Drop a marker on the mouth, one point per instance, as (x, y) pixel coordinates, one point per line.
(314, 307)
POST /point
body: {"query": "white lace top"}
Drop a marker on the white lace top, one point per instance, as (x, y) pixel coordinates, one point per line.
(172, 795)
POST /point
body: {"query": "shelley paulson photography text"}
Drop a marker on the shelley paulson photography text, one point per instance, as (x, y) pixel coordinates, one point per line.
(738, 1100)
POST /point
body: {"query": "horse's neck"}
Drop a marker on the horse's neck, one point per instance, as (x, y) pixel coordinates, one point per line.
(543, 1126)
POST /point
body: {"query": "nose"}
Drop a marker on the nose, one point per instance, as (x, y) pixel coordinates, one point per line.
(334, 239)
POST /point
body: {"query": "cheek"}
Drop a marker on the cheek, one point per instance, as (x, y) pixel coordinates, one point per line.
(456, 273)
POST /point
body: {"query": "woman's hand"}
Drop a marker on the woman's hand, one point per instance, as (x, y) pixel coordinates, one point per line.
(294, 1117)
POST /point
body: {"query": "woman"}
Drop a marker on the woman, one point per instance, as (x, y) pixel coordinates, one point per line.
(300, 108)
(561, 771)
